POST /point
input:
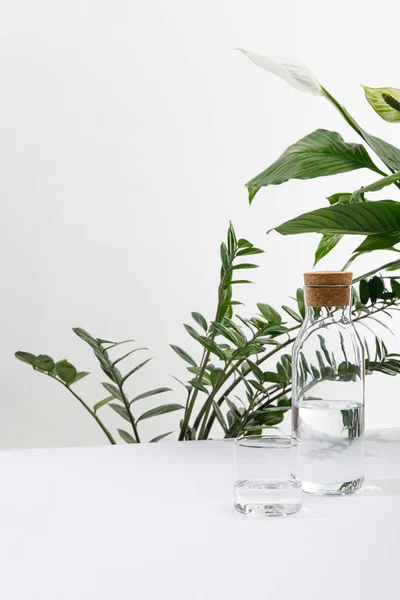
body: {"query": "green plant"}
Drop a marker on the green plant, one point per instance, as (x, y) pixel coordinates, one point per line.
(228, 384)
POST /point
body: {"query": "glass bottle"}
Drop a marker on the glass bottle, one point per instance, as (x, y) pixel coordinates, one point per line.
(328, 389)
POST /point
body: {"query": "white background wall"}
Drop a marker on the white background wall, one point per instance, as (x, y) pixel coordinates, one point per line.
(127, 132)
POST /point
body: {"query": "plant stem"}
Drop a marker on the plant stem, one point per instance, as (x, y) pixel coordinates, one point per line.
(124, 398)
(206, 354)
(90, 411)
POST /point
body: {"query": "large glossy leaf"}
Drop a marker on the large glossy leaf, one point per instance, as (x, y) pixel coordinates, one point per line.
(388, 153)
(366, 218)
(379, 241)
(327, 243)
(378, 185)
(160, 410)
(318, 154)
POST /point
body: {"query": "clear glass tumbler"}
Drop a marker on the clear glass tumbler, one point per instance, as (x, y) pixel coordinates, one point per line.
(265, 484)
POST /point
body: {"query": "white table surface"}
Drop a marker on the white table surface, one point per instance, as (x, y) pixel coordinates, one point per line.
(156, 521)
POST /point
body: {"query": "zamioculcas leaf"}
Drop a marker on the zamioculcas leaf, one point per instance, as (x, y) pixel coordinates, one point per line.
(385, 102)
(160, 437)
(375, 288)
(292, 71)
(301, 302)
(151, 393)
(121, 410)
(26, 357)
(327, 243)
(364, 292)
(126, 436)
(160, 410)
(80, 376)
(318, 154)
(200, 320)
(86, 337)
(113, 390)
(184, 355)
(365, 218)
(66, 371)
(132, 371)
(45, 363)
(292, 313)
(270, 313)
(102, 403)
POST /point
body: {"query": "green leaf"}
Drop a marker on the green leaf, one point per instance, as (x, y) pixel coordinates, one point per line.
(227, 333)
(375, 288)
(241, 281)
(102, 403)
(395, 285)
(324, 349)
(273, 377)
(318, 154)
(212, 347)
(243, 243)
(224, 256)
(379, 241)
(256, 370)
(340, 198)
(126, 436)
(160, 410)
(220, 416)
(113, 390)
(66, 371)
(378, 185)
(26, 357)
(132, 371)
(191, 331)
(215, 375)
(160, 437)
(364, 291)
(154, 392)
(86, 337)
(183, 355)
(127, 354)
(301, 302)
(80, 376)
(269, 313)
(121, 410)
(200, 320)
(385, 101)
(248, 251)
(44, 363)
(292, 313)
(196, 383)
(232, 243)
(327, 243)
(382, 216)
(245, 266)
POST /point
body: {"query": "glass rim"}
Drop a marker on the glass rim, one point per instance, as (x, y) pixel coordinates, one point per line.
(266, 441)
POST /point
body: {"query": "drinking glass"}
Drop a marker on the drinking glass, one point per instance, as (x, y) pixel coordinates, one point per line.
(265, 484)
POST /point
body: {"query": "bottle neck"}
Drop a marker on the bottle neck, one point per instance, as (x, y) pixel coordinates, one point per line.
(338, 314)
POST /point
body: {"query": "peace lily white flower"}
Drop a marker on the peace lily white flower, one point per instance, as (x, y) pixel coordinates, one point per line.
(385, 102)
(293, 72)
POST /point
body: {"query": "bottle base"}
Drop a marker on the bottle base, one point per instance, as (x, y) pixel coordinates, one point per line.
(333, 489)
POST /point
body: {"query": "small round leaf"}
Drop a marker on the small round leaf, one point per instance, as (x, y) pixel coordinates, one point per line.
(66, 371)
(44, 363)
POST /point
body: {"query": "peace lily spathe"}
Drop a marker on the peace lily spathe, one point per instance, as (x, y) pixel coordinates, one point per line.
(385, 101)
(293, 72)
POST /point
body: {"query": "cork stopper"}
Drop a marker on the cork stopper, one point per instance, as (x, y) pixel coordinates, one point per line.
(328, 288)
